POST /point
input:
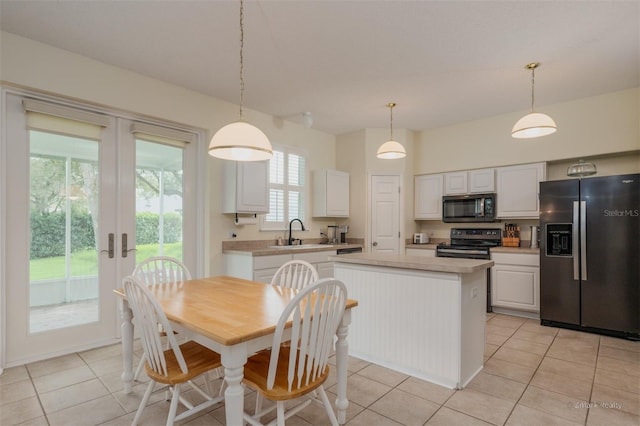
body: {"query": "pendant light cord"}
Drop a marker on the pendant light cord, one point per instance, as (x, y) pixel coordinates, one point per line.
(391, 105)
(241, 57)
(533, 79)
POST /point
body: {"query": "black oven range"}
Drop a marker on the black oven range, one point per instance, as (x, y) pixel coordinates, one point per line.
(472, 243)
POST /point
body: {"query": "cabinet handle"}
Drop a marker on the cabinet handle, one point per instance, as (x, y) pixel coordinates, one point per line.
(375, 244)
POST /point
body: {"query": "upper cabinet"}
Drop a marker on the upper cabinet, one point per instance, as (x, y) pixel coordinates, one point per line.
(482, 181)
(246, 187)
(469, 182)
(427, 196)
(517, 192)
(455, 183)
(330, 193)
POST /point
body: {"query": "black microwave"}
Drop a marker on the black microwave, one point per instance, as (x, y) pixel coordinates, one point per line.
(469, 208)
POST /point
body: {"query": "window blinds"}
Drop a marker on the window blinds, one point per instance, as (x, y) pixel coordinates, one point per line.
(163, 135)
(64, 120)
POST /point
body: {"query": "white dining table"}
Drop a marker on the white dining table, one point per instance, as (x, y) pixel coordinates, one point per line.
(236, 318)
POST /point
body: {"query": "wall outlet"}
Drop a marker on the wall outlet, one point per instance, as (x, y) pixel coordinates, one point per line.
(231, 234)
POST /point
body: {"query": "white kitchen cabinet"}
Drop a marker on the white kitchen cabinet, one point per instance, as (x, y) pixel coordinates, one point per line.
(421, 252)
(258, 268)
(515, 281)
(470, 182)
(427, 196)
(319, 260)
(455, 183)
(482, 181)
(263, 268)
(330, 193)
(246, 187)
(517, 190)
(325, 270)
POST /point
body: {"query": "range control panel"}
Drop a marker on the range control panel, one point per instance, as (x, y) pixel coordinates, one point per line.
(476, 234)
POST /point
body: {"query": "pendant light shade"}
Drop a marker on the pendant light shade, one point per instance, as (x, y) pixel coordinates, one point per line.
(391, 150)
(534, 124)
(240, 141)
(581, 169)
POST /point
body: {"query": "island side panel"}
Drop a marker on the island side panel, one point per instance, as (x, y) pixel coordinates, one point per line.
(406, 320)
(474, 307)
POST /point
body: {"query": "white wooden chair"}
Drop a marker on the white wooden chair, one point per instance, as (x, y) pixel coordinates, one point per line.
(295, 274)
(159, 270)
(288, 372)
(174, 366)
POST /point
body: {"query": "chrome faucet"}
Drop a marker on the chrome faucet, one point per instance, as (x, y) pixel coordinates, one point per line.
(290, 236)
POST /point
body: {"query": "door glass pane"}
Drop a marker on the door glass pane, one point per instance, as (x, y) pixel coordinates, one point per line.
(63, 262)
(159, 208)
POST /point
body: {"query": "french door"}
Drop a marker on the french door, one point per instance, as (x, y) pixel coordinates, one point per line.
(91, 194)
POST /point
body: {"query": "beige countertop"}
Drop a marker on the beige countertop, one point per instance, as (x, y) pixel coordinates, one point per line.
(519, 250)
(437, 264)
(273, 250)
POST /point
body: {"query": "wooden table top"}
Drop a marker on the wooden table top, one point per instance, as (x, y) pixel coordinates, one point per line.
(226, 309)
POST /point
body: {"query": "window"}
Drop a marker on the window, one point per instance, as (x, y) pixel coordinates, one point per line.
(287, 176)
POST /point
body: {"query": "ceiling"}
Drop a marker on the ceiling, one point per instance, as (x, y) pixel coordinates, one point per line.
(442, 62)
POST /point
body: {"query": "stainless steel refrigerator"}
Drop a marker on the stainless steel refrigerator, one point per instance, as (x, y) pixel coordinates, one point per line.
(590, 254)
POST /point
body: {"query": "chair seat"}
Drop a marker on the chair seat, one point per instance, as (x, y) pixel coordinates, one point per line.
(198, 358)
(257, 368)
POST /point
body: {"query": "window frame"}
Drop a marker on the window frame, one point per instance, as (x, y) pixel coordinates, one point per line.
(286, 187)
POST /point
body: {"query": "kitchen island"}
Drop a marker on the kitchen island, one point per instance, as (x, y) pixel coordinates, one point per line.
(421, 316)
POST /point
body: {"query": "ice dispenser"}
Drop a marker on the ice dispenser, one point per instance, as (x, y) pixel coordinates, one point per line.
(558, 239)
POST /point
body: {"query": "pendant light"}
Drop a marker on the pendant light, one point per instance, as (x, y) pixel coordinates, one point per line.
(240, 141)
(534, 124)
(390, 150)
(581, 169)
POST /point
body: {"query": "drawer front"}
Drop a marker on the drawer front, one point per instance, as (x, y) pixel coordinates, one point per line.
(314, 256)
(274, 261)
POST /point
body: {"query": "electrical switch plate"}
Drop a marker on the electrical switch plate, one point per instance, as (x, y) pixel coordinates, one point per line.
(474, 292)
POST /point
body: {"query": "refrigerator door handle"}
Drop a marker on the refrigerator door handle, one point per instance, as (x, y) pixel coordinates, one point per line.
(575, 241)
(583, 239)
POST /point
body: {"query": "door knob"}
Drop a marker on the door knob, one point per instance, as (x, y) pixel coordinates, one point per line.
(375, 243)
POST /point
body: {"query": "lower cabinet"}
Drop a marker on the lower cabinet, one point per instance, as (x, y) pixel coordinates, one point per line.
(263, 268)
(515, 281)
(320, 260)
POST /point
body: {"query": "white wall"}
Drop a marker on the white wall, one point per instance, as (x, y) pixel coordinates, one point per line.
(604, 129)
(593, 126)
(32, 65)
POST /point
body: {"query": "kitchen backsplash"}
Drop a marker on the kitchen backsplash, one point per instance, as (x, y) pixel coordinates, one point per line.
(438, 230)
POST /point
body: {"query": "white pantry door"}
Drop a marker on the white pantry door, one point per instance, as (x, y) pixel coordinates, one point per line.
(385, 213)
(84, 184)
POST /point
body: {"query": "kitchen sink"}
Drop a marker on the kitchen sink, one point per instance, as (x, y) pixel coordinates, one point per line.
(302, 246)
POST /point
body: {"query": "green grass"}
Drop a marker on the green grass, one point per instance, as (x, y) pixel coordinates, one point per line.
(85, 262)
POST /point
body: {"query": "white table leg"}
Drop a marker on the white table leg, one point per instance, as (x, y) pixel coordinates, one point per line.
(342, 352)
(233, 360)
(126, 314)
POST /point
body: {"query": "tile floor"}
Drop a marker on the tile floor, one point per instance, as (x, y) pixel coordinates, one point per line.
(533, 375)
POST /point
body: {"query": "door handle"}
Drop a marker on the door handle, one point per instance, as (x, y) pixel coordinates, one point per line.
(111, 250)
(583, 239)
(575, 240)
(375, 243)
(124, 246)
